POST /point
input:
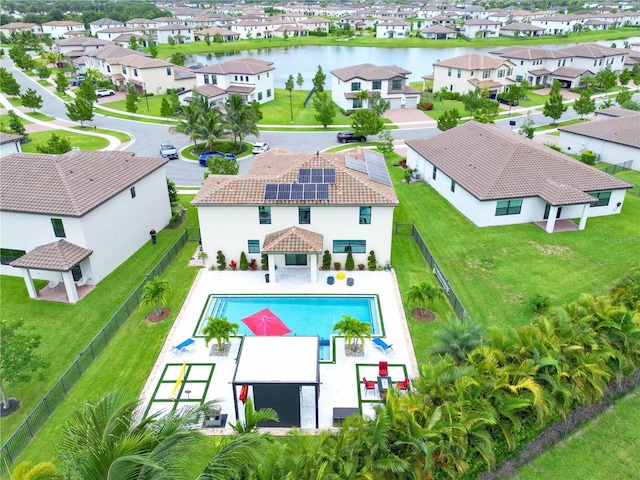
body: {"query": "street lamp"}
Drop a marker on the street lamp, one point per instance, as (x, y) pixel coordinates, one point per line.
(146, 99)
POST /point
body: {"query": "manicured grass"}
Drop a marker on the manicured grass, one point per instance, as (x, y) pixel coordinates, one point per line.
(533, 99)
(559, 124)
(127, 116)
(225, 146)
(83, 142)
(15, 101)
(439, 107)
(607, 447)
(75, 326)
(44, 83)
(40, 116)
(155, 102)
(123, 137)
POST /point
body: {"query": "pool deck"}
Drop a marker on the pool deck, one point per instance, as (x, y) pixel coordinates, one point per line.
(340, 381)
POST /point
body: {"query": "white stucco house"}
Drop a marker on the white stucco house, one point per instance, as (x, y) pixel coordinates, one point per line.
(438, 32)
(10, 143)
(74, 218)
(497, 177)
(179, 33)
(294, 206)
(474, 70)
(390, 81)
(520, 29)
(481, 28)
(17, 27)
(103, 23)
(62, 28)
(250, 78)
(393, 28)
(615, 139)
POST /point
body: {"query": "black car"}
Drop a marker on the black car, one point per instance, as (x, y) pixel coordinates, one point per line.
(350, 136)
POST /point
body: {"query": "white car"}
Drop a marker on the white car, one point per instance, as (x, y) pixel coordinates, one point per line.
(260, 147)
(104, 92)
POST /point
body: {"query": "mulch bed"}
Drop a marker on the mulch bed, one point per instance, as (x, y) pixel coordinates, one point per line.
(155, 317)
(427, 317)
(14, 406)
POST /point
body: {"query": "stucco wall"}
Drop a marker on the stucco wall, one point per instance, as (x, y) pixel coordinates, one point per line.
(609, 152)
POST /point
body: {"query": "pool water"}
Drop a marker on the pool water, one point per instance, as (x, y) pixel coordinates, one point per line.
(304, 315)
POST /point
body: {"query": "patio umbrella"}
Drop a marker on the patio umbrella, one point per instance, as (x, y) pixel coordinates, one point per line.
(265, 323)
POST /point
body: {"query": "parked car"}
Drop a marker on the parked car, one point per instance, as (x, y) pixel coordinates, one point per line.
(259, 147)
(204, 156)
(104, 92)
(168, 151)
(505, 101)
(74, 82)
(350, 136)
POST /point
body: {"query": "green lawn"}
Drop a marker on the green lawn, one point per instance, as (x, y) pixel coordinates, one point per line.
(75, 326)
(123, 137)
(127, 116)
(155, 102)
(542, 128)
(83, 142)
(40, 116)
(439, 107)
(607, 447)
(44, 83)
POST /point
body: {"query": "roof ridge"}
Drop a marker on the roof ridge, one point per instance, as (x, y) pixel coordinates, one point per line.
(65, 182)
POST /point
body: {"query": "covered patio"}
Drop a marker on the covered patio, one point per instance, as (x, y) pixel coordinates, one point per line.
(559, 195)
(293, 242)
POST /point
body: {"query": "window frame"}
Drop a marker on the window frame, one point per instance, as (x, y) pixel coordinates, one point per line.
(376, 85)
(253, 246)
(512, 207)
(396, 84)
(304, 215)
(356, 86)
(264, 214)
(343, 246)
(8, 255)
(58, 230)
(132, 190)
(364, 217)
(604, 197)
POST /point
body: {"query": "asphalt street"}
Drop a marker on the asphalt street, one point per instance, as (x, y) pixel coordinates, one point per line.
(148, 136)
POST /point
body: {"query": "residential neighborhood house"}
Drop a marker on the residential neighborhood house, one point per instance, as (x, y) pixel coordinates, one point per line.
(474, 70)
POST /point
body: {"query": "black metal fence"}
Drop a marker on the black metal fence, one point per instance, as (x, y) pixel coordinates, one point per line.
(28, 428)
(619, 167)
(410, 229)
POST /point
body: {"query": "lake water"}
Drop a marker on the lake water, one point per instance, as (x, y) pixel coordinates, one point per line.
(305, 59)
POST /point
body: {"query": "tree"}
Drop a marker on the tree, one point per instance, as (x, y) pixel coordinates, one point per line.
(207, 39)
(171, 41)
(378, 104)
(133, 42)
(288, 86)
(513, 95)
(80, 110)
(587, 80)
(623, 97)
(253, 418)
(363, 96)
(606, 78)
(177, 58)
(192, 114)
(8, 83)
(366, 122)
(528, 127)
(220, 330)
(318, 80)
(131, 100)
(457, 337)
(585, 104)
(241, 119)
(61, 83)
(43, 72)
(422, 294)
(442, 95)
(152, 46)
(15, 124)
(625, 77)
(55, 145)
(211, 127)
(86, 91)
(39, 471)
(353, 330)
(221, 166)
(449, 119)
(19, 359)
(472, 100)
(31, 99)
(172, 191)
(154, 292)
(165, 108)
(326, 110)
(386, 142)
(554, 108)
(300, 80)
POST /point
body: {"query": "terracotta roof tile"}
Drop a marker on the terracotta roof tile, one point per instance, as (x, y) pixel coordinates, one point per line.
(9, 137)
(71, 184)
(472, 61)
(616, 112)
(249, 66)
(368, 71)
(493, 164)
(293, 240)
(58, 256)
(623, 130)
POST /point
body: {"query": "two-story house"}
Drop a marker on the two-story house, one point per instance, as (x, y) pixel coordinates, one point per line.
(224, 34)
(481, 28)
(102, 24)
(16, 27)
(556, 24)
(250, 78)
(468, 72)
(390, 81)
(76, 217)
(179, 33)
(294, 206)
(62, 28)
(519, 29)
(393, 28)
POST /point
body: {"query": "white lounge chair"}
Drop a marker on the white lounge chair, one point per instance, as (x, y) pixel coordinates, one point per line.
(82, 281)
(53, 284)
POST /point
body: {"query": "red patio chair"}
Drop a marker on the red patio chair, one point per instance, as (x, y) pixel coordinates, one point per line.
(403, 385)
(368, 385)
(383, 369)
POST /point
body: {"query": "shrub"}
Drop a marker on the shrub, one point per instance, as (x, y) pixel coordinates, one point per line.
(222, 261)
(337, 265)
(264, 261)
(361, 266)
(253, 265)
(554, 147)
(538, 302)
(424, 106)
(326, 260)
(588, 157)
(244, 264)
(372, 263)
(350, 264)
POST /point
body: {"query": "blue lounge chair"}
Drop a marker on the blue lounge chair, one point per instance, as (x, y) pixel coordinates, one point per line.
(386, 348)
(184, 345)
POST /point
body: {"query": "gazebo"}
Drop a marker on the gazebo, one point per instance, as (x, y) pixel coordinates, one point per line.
(294, 241)
(281, 373)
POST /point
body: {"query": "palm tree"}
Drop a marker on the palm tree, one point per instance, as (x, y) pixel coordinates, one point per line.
(353, 330)
(102, 440)
(241, 119)
(457, 337)
(626, 291)
(39, 471)
(363, 96)
(193, 113)
(253, 418)
(211, 127)
(422, 294)
(219, 329)
(155, 293)
(234, 458)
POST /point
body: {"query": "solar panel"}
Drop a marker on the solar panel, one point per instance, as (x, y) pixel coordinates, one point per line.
(376, 168)
(322, 191)
(304, 175)
(284, 191)
(297, 191)
(316, 175)
(271, 191)
(309, 191)
(329, 175)
(355, 164)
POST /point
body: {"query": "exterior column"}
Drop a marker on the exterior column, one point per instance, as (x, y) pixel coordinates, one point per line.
(26, 273)
(272, 267)
(70, 287)
(551, 221)
(584, 217)
(314, 267)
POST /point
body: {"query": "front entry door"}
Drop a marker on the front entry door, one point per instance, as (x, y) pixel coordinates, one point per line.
(547, 209)
(295, 259)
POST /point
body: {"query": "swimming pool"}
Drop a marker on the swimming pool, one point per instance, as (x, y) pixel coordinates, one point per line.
(305, 315)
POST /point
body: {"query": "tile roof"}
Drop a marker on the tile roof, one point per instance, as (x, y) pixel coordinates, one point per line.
(529, 53)
(616, 112)
(436, 29)
(62, 23)
(479, 21)
(472, 61)
(60, 256)
(250, 66)
(571, 72)
(280, 166)
(593, 50)
(623, 130)
(293, 240)
(493, 164)
(113, 53)
(368, 71)
(558, 194)
(72, 184)
(523, 27)
(139, 61)
(9, 137)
